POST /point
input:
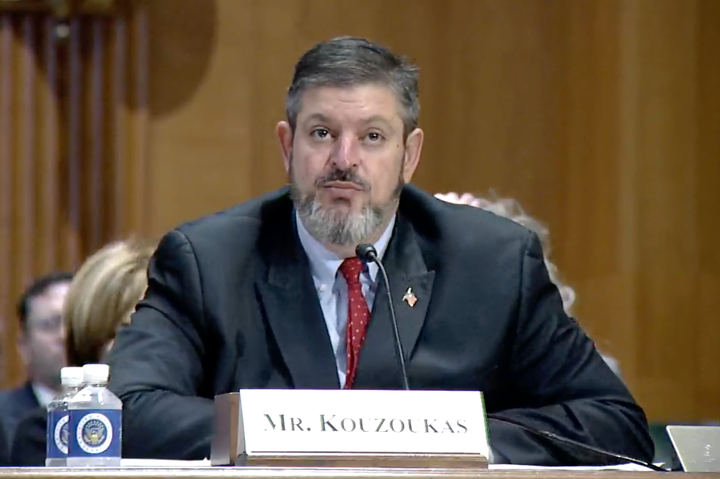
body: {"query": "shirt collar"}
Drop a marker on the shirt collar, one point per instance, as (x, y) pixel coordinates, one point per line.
(43, 394)
(324, 264)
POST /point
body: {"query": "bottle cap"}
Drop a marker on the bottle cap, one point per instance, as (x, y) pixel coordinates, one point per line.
(96, 373)
(71, 376)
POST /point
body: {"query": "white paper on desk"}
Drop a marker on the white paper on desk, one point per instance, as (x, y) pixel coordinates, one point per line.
(618, 467)
(162, 463)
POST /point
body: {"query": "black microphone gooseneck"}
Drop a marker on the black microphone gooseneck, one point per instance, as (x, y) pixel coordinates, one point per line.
(572, 442)
(367, 253)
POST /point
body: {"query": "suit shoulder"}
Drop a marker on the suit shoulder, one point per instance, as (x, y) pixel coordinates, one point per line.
(478, 221)
(18, 398)
(243, 219)
(4, 397)
(460, 225)
(468, 243)
(229, 236)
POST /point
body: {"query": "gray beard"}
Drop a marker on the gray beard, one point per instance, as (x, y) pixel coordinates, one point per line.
(338, 225)
(333, 225)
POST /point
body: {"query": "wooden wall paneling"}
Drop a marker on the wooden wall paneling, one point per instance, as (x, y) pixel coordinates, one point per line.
(501, 102)
(70, 88)
(72, 146)
(116, 72)
(97, 129)
(49, 165)
(200, 100)
(585, 226)
(706, 199)
(134, 117)
(6, 60)
(26, 140)
(661, 81)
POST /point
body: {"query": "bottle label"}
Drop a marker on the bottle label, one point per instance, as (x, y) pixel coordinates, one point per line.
(95, 433)
(57, 434)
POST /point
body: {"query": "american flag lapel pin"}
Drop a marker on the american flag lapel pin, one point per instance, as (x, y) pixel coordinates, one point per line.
(409, 297)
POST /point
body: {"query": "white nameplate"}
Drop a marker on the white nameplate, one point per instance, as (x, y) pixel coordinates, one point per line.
(363, 421)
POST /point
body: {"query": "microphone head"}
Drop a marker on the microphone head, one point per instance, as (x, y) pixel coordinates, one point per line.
(366, 253)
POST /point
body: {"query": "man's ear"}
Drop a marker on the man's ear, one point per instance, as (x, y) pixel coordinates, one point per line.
(413, 149)
(285, 138)
(23, 346)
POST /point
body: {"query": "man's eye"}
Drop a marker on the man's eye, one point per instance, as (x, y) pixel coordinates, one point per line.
(374, 137)
(320, 133)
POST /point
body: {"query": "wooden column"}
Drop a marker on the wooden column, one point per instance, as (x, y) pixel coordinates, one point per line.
(73, 121)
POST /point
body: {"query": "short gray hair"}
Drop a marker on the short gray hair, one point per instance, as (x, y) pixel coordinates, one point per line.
(351, 61)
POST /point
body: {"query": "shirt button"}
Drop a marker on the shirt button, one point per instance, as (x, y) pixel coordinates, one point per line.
(321, 288)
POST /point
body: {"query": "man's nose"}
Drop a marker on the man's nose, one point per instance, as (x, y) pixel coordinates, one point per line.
(345, 154)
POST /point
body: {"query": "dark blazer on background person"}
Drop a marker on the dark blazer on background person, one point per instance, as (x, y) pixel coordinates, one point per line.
(15, 404)
(231, 304)
(29, 445)
(4, 448)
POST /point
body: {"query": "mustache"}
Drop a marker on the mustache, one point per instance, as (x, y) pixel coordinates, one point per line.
(348, 176)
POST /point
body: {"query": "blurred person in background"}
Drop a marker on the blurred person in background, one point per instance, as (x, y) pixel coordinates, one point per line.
(4, 446)
(511, 209)
(102, 297)
(99, 302)
(41, 346)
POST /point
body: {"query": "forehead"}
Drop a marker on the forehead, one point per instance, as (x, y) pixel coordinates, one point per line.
(49, 302)
(350, 104)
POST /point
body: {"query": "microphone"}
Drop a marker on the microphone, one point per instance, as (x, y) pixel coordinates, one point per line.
(564, 440)
(367, 253)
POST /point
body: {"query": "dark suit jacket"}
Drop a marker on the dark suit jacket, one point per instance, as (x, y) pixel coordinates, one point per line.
(4, 448)
(231, 304)
(29, 445)
(15, 404)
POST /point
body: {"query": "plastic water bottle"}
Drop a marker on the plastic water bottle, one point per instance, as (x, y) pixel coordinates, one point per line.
(57, 417)
(95, 422)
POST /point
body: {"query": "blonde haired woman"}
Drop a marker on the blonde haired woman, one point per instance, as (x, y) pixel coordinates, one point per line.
(101, 298)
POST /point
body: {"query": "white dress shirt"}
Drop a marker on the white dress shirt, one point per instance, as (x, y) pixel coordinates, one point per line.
(332, 289)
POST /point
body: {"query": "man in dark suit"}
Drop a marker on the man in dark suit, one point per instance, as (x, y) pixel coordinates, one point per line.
(4, 450)
(15, 404)
(29, 445)
(42, 346)
(269, 294)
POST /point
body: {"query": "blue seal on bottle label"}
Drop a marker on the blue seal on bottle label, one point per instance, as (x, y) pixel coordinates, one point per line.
(57, 434)
(95, 433)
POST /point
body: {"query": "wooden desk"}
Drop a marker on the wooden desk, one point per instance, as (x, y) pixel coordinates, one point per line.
(324, 473)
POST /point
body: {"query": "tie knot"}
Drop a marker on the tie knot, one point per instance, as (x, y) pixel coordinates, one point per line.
(351, 269)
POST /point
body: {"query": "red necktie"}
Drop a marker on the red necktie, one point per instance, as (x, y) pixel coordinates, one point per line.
(358, 316)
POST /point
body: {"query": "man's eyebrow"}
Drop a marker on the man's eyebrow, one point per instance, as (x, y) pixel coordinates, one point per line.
(318, 117)
(377, 119)
(321, 118)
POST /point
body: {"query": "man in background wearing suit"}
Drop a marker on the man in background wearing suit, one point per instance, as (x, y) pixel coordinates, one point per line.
(269, 294)
(42, 347)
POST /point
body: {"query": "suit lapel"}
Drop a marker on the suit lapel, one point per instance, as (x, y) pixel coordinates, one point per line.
(291, 304)
(28, 396)
(407, 272)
